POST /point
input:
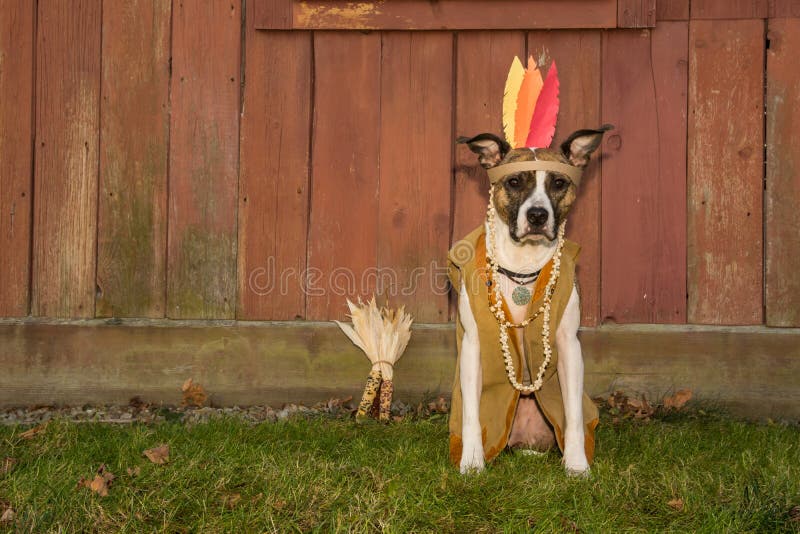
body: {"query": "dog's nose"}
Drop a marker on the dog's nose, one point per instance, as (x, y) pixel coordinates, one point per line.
(537, 216)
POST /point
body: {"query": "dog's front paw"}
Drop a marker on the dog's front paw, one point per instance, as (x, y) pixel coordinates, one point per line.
(471, 460)
(576, 464)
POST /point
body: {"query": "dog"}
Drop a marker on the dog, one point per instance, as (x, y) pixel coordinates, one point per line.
(530, 207)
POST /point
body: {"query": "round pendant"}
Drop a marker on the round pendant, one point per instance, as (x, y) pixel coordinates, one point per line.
(521, 295)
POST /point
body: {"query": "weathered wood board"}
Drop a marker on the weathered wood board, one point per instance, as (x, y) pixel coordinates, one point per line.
(274, 175)
(438, 15)
(66, 154)
(17, 25)
(416, 147)
(730, 9)
(134, 129)
(644, 175)
(672, 10)
(343, 237)
(203, 161)
(784, 8)
(725, 171)
(577, 55)
(636, 13)
(782, 217)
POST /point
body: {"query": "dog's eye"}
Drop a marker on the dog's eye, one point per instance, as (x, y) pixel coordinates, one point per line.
(514, 182)
(559, 183)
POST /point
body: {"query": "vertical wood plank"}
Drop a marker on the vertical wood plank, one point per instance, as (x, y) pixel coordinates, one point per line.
(134, 129)
(204, 150)
(17, 23)
(725, 171)
(730, 9)
(644, 175)
(636, 13)
(784, 8)
(415, 170)
(577, 54)
(783, 174)
(273, 14)
(482, 63)
(672, 10)
(273, 182)
(66, 151)
(343, 238)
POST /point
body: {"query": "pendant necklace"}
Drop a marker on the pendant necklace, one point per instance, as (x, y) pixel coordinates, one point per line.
(521, 294)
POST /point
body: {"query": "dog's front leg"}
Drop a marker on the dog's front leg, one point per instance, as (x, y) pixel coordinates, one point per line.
(570, 374)
(471, 382)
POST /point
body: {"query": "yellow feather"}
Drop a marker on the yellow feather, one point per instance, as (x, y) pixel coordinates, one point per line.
(513, 83)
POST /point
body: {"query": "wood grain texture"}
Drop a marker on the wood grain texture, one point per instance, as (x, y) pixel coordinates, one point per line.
(343, 237)
(204, 150)
(271, 14)
(66, 150)
(730, 9)
(273, 180)
(415, 171)
(672, 10)
(725, 171)
(482, 63)
(636, 13)
(784, 8)
(17, 26)
(782, 217)
(134, 129)
(439, 15)
(577, 54)
(644, 175)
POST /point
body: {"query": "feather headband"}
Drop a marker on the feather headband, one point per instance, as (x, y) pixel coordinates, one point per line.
(530, 110)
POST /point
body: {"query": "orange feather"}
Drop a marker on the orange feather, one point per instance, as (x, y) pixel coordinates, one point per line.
(526, 102)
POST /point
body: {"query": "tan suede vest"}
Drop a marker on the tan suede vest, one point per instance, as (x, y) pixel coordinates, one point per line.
(498, 403)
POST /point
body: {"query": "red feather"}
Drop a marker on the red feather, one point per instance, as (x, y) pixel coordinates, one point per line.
(543, 122)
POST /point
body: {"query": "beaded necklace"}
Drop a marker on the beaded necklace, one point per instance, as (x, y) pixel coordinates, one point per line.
(496, 307)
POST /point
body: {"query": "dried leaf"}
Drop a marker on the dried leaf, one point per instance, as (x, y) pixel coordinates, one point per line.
(678, 400)
(100, 483)
(193, 394)
(30, 434)
(794, 514)
(134, 471)
(676, 504)
(158, 455)
(230, 501)
(8, 515)
(7, 465)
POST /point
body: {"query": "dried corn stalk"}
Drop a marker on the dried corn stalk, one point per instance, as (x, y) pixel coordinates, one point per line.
(383, 335)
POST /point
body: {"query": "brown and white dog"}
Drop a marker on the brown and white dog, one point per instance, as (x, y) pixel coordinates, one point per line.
(530, 206)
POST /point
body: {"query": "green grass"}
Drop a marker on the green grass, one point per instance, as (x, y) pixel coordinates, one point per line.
(324, 474)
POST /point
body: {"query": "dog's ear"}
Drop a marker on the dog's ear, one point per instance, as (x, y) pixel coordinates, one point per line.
(490, 149)
(579, 146)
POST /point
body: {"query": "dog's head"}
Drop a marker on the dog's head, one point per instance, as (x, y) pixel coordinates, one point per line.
(533, 203)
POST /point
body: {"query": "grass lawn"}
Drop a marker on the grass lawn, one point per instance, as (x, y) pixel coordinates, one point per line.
(691, 472)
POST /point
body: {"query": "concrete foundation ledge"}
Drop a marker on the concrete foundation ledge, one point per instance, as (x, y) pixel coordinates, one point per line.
(752, 371)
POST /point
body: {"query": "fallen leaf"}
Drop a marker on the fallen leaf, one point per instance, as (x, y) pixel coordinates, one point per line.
(30, 434)
(134, 471)
(569, 524)
(158, 455)
(676, 504)
(8, 516)
(279, 504)
(230, 501)
(100, 483)
(677, 400)
(794, 514)
(7, 465)
(193, 394)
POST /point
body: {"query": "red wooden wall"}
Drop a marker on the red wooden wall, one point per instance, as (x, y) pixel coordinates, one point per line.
(189, 160)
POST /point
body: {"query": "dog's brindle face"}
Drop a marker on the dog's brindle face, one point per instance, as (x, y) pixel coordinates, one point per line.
(534, 203)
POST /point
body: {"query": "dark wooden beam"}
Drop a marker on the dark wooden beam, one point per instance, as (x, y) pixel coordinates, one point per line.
(439, 14)
(636, 13)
